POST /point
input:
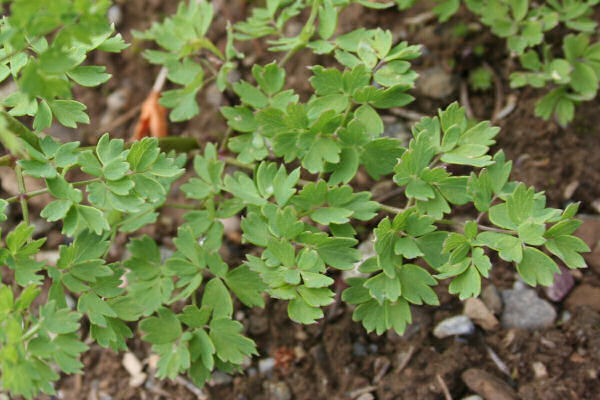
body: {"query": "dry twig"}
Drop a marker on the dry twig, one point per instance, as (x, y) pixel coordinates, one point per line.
(420, 18)
(447, 394)
(356, 393)
(407, 114)
(499, 93)
(405, 360)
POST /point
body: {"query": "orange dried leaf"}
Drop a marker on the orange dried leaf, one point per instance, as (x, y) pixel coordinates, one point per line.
(153, 118)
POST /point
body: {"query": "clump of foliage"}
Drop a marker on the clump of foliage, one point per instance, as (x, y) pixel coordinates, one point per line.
(572, 76)
(481, 78)
(295, 162)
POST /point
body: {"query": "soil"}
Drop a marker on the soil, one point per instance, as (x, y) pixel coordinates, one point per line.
(336, 358)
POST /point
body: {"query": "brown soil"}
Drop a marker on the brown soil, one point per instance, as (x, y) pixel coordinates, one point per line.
(336, 359)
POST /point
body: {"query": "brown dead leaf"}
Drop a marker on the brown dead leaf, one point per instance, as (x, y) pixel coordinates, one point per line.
(153, 118)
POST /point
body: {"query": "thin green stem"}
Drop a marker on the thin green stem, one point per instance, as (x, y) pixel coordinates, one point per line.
(494, 229)
(307, 31)
(22, 193)
(34, 193)
(32, 331)
(448, 222)
(6, 161)
(228, 133)
(480, 226)
(180, 206)
(390, 209)
(236, 163)
(113, 235)
(289, 55)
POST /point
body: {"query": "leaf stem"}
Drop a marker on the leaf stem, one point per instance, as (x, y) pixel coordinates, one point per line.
(22, 193)
(111, 241)
(305, 35)
(228, 133)
(180, 206)
(34, 193)
(391, 209)
(236, 163)
(32, 331)
(494, 229)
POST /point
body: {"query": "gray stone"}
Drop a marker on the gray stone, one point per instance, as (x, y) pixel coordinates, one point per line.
(266, 365)
(458, 325)
(523, 309)
(398, 130)
(491, 298)
(367, 250)
(213, 96)
(115, 15)
(359, 350)
(258, 322)
(436, 83)
(220, 378)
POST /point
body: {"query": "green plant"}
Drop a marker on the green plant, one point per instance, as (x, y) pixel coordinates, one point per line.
(43, 53)
(295, 162)
(573, 78)
(481, 78)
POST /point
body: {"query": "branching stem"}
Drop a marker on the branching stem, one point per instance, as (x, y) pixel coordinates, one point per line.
(27, 195)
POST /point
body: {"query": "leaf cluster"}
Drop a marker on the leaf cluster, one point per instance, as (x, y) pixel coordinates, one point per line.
(572, 77)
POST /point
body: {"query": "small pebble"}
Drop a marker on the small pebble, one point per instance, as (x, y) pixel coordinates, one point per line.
(300, 335)
(491, 298)
(299, 352)
(165, 253)
(220, 378)
(523, 309)
(458, 325)
(436, 83)
(153, 360)
(359, 350)
(367, 250)
(565, 316)
(487, 385)
(41, 226)
(365, 396)
(117, 99)
(134, 367)
(539, 370)
(398, 131)
(563, 283)
(266, 365)
(279, 391)
(49, 257)
(258, 322)
(478, 312)
(115, 15)
(213, 96)
(596, 205)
